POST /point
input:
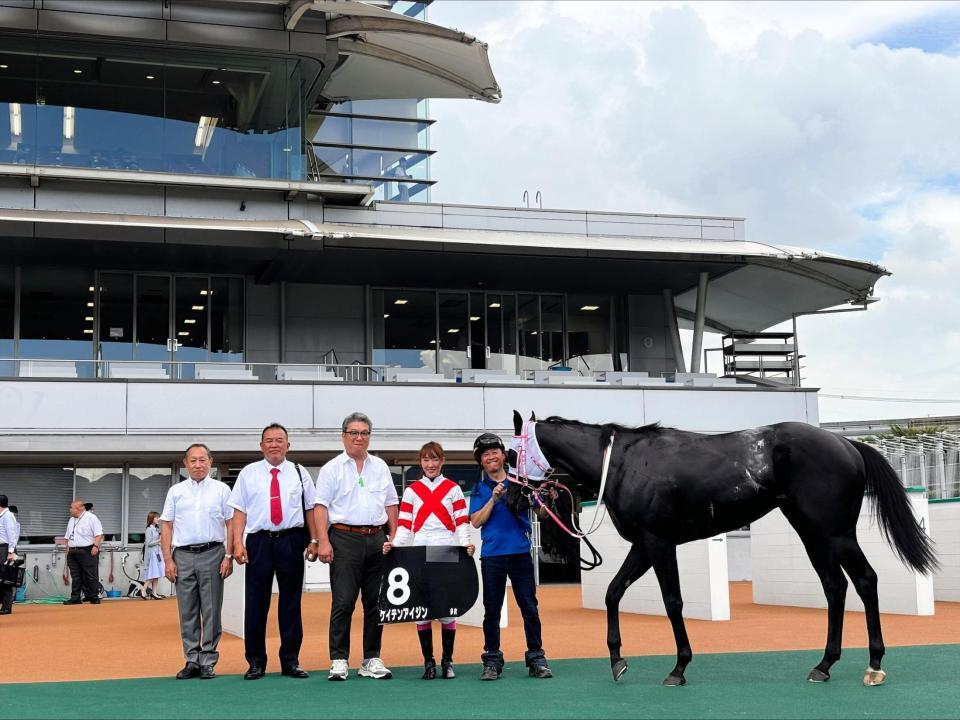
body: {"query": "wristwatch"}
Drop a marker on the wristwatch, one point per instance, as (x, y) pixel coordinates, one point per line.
(228, 556)
(314, 541)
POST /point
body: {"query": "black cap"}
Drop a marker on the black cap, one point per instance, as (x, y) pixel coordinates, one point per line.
(487, 441)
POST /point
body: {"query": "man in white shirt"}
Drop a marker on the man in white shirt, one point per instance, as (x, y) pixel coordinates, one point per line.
(9, 537)
(356, 497)
(84, 536)
(270, 499)
(196, 523)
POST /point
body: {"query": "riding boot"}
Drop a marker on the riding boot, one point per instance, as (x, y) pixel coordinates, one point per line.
(425, 635)
(446, 663)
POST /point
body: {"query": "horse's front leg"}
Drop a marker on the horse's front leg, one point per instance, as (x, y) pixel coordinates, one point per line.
(635, 565)
(665, 566)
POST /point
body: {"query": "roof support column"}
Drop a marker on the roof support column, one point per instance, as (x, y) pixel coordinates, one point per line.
(698, 322)
(670, 316)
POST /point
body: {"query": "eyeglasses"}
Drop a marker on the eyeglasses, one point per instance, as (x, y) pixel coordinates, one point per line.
(358, 433)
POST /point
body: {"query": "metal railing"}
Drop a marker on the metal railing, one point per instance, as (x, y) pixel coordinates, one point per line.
(931, 461)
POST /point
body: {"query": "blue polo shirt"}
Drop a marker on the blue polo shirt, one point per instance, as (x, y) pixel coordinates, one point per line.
(505, 532)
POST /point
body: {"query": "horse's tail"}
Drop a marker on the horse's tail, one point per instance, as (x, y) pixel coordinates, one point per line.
(892, 509)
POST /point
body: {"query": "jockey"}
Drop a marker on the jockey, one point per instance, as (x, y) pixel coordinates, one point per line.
(433, 511)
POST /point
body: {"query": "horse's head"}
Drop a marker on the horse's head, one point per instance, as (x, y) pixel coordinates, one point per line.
(528, 459)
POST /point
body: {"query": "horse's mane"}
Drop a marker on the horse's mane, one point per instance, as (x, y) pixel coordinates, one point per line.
(652, 427)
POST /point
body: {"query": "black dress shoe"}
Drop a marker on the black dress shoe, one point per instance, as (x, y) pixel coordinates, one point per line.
(207, 672)
(190, 670)
(5, 612)
(295, 672)
(254, 672)
(95, 601)
(72, 602)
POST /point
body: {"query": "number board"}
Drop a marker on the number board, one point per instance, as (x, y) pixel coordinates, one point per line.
(426, 582)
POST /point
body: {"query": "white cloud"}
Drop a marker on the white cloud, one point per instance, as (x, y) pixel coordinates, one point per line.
(771, 111)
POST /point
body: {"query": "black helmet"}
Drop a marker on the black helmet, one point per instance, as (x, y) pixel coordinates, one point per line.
(487, 441)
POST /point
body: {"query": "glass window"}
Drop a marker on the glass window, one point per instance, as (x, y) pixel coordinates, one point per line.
(226, 319)
(57, 308)
(405, 328)
(551, 329)
(7, 308)
(146, 492)
(454, 332)
(153, 318)
(528, 332)
(104, 488)
(116, 316)
(190, 313)
(42, 496)
(589, 325)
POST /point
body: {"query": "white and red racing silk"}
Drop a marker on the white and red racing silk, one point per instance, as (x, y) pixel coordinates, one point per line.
(433, 512)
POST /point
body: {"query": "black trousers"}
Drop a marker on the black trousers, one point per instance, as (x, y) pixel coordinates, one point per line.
(84, 573)
(268, 556)
(356, 569)
(6, 591)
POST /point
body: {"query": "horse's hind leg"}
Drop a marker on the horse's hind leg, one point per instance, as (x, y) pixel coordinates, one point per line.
(665, 565)
(865, 582)
(635, 565)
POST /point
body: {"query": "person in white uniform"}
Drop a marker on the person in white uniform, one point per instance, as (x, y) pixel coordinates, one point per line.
(196, 523)
(433, 511)
(355, 499)
(84, 536)
(9, 537)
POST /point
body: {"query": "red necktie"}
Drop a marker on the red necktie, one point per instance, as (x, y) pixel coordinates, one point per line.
(276, 511)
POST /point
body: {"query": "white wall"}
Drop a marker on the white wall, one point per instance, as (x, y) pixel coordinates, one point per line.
(783, 575)
(703, 575)
(945, 531)
(739, 565)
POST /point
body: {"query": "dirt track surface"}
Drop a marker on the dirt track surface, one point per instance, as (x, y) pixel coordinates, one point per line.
(140, 638)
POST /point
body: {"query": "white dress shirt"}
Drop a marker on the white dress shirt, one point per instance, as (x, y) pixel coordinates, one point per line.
(251, 495)
(9, 531)
(82, 531)
(198, 511)
(356, 498)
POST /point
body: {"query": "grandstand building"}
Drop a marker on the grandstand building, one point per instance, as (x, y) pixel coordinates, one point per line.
(215, 215)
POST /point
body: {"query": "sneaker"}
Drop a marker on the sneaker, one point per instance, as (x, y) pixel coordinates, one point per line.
(374, 668)
(339, 670)
(541, 672)
(446, 670)
(490, 672)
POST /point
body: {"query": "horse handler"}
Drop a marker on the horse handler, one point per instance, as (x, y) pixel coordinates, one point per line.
(505, 552)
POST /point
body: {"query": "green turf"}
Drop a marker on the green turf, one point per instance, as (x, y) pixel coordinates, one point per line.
(922, 684)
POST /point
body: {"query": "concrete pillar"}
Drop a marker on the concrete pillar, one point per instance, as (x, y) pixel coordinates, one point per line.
(673, 330)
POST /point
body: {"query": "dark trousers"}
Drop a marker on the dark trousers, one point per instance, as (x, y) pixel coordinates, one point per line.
(6, 591)
(356, 569)
(268, 556)
(495, 571)
(84, 573)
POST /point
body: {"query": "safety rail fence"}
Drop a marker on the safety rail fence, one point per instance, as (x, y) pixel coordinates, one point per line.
(930, 460)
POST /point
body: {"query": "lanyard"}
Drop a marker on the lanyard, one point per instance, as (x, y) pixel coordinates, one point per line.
(75, 523)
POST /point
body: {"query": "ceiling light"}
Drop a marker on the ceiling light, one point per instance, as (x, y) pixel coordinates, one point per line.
(216, 82)
(386, 315)
(474, 318)
(4, 67)
(590, 307)
(400, 301)
(151, 77)
(91, 288)
(204, 134)
(433, 342)
(189, 321)
(69, 114)
(89, 318)
(453, 330)
(494, 305)
(203, 292)
(196, 307)
(183, 333)
(77, 71)
(88, 331)
(16, 120)
(89, 304)
(533, 332)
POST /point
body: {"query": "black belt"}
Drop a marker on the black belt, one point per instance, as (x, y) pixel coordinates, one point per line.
(279, 533)
(199, 547)
(81, 547)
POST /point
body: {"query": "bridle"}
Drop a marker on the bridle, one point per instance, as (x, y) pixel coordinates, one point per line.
(546, 484)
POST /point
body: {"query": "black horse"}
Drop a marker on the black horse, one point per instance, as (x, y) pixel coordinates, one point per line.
(666, 487)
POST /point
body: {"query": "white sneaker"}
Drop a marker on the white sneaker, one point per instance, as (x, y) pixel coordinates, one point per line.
(374, 668)
(338, 670)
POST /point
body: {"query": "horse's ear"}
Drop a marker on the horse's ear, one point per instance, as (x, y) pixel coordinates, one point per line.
(533, 417)
(517, 423)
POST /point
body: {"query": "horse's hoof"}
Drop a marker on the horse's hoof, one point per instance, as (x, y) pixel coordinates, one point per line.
(674, 681)
(619, 668)
(874, 677)
(818, 676)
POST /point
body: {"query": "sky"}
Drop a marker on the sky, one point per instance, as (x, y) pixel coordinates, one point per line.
(832, 126)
